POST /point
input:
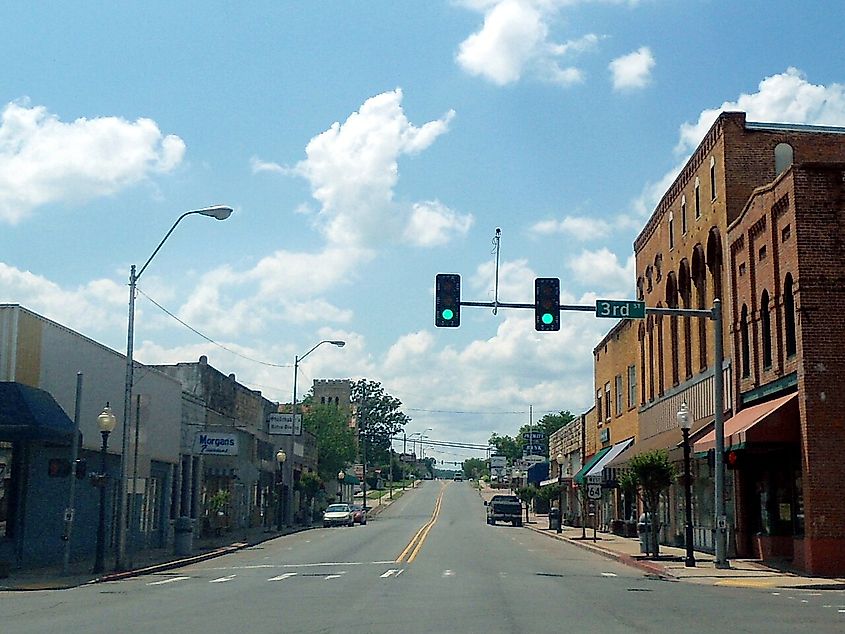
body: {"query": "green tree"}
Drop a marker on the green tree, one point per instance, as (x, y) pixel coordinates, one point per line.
(380, 418)
(651, 474)
(475, 468)
(335, 440)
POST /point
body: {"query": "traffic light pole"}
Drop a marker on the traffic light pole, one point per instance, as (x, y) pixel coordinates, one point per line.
(714, 314)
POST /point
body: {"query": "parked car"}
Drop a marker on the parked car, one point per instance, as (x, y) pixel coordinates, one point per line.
(338, 515)
(359, 515)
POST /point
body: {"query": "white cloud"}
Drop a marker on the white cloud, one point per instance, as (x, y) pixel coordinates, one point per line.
(601, 269)
(632, 70)
(514, 39)
(353, 167)
(432, 223)
(581, 228)
(44, 160)
(783, 98)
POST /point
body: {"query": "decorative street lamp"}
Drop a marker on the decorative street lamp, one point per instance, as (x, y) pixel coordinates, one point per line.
(341, 476)
(218, 212)
(684, 423)
(281, 456)
(559, 461)
(106, 423)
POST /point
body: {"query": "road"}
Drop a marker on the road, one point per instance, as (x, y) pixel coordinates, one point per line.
(428, 564)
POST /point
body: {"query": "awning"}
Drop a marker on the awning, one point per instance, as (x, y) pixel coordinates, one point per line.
(615, 450)
(27, 413)
(669, 440)
(579, 477)
(771, 422)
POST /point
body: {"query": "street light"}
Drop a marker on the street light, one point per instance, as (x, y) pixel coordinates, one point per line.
(341, 476)
(281, 456)
(559, 461)
(296, 361)
(684, 423)
(219, 212)
(106, 423)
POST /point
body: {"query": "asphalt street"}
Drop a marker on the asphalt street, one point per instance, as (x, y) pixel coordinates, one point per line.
(428, 564)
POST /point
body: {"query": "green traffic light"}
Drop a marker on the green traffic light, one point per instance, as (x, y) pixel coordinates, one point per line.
(547, 318)
(448, 313)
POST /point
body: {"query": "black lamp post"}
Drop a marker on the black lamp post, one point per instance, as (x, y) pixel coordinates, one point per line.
(341, 476)
(684, 423)
(106, 423)
(281, 456)
(559, 461)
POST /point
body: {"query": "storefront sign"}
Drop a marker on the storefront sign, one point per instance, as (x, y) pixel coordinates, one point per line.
(215, 444)
(284, 425)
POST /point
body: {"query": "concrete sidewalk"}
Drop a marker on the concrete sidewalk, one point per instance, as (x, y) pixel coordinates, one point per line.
(750, 573)
(160, 559)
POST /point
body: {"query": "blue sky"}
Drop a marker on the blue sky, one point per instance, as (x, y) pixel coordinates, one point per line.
(365, 147)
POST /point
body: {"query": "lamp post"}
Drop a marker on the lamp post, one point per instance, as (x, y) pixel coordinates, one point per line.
(281, 456)
(296, 361)
(219, 212)
(684, 423)
(105, 423)
(341, 476)
(559, 461)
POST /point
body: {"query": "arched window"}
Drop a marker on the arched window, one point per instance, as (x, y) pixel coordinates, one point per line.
(783, 157)
(789, 316)
(766, 330)
(745, 348)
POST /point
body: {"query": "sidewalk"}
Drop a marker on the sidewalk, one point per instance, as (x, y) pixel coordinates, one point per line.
(749, 573)
(145, 562)
(160, 559)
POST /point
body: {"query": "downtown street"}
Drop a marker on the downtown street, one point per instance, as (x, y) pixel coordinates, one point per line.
(427, 563)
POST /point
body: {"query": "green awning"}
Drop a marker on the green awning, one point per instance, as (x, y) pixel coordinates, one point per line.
(579, 477)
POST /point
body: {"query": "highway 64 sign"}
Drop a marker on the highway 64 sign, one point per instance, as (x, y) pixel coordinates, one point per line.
(594, 491)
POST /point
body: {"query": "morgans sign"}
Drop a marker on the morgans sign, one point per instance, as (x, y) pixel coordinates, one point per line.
(215, 444)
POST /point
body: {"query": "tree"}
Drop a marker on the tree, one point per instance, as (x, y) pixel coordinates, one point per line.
(475, 468)
(335, 440)
(651, 473)
(379, 418)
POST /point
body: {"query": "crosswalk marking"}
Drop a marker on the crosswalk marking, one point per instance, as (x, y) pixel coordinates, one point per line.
(163, 581)
(287, 575)
(223, 579)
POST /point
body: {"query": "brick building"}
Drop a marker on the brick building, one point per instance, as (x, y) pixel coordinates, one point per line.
(786, 329)
(681, 262)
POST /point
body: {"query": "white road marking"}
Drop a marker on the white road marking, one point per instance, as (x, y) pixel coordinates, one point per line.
(223, 579)
(608, 574)
(287, 575)
(163, 581)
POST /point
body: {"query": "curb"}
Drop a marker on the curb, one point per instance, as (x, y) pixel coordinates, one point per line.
(646, 566)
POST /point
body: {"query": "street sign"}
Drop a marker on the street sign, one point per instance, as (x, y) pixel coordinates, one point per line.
(533, 435)
(620, 309)
(594, 491)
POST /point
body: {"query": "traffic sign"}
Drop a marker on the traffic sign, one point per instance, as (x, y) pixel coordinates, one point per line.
(620, 309)
(594, 491)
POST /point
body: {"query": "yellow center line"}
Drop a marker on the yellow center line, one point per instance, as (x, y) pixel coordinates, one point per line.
(417, 541)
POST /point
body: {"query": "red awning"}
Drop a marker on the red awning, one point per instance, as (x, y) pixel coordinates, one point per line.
(771, 422)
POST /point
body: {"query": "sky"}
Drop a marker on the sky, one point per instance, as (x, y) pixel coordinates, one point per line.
(366, 147)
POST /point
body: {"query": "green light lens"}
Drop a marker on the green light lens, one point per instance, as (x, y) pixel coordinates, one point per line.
(448, 313)
(547, 318)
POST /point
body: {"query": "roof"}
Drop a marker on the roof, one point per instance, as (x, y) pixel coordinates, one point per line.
(28, 413)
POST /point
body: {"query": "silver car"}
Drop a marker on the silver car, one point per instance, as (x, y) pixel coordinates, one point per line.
(338, 515)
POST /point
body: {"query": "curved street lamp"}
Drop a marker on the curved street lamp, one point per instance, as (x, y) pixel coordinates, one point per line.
(218, 212)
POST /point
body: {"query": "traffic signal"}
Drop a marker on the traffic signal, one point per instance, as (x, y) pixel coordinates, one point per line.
(447, 300)
(547, 303)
